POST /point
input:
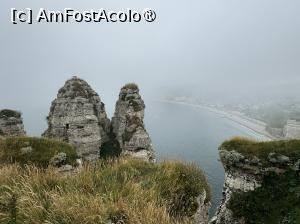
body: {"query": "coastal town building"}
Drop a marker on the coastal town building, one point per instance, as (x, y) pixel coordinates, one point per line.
(292, 129)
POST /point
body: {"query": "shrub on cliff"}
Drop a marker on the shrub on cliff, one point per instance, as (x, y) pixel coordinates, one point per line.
(9, 113)
(180, 185)
(111, 148)
(276, 165)
(276, 201)
(38, 151)
(123, 191)
(132, 86)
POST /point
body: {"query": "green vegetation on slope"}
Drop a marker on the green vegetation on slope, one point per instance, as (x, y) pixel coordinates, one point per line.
(123, 191)
(9, 113)
(180, 185)
(250, 148)
(132, 86)
(37, 151)
(276, 201)
(111, 148)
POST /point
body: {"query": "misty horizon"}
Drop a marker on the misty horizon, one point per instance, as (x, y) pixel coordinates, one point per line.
(213, 50)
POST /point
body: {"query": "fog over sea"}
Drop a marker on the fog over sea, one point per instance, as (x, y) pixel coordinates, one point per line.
(192, 134)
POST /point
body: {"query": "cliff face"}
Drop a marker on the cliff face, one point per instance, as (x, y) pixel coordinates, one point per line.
(128, 125)
(11, 123)
(78, 116)
(240, 175)
(251, 169)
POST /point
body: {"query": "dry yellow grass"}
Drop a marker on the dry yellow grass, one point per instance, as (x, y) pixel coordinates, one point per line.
(123, 192)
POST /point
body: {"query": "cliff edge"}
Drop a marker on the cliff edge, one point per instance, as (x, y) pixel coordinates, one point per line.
(261, 182)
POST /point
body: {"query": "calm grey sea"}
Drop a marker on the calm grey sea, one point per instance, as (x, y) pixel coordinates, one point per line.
(193, 135)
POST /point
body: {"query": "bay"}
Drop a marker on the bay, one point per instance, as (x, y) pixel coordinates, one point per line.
(192, 134)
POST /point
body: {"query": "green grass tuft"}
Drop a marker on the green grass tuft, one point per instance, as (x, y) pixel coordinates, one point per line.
(251, 148)
(132, 86)
(9, 113)
(180, 185)
(42, 151)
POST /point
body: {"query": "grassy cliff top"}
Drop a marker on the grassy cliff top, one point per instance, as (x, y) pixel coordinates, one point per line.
(122, 191)
(132, 86)
(37, 151)
(251, 148)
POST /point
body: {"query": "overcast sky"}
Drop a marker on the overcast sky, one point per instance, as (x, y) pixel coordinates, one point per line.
(218, 48)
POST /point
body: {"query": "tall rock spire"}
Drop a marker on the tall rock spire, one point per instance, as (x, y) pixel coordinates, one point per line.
(78, 116)
(128, 125)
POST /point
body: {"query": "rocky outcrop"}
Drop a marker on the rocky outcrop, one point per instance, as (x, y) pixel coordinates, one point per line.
(128, 125)
(245, 172)
(78, 116)
(240, 175)
(11, 123)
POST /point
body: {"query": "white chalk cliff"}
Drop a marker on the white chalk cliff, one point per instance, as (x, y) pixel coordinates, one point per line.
(128, 124)
(78, 116)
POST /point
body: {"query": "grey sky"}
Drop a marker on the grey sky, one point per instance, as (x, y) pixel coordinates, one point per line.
(212, 47)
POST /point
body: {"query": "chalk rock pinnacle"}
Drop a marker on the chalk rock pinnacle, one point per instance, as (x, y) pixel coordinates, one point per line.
(128, 125)
(11, 123)
(78, 116)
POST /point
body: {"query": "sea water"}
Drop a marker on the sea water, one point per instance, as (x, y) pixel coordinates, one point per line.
(192, 134)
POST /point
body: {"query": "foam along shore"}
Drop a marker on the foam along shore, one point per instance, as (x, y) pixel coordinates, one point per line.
(254, 125)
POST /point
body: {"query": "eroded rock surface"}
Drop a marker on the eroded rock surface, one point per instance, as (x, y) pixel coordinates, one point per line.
(244, 174)
(78, 116)
(128, 125)
(11, 123)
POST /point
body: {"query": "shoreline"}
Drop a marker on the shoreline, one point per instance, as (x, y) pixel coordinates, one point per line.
(254, 125)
